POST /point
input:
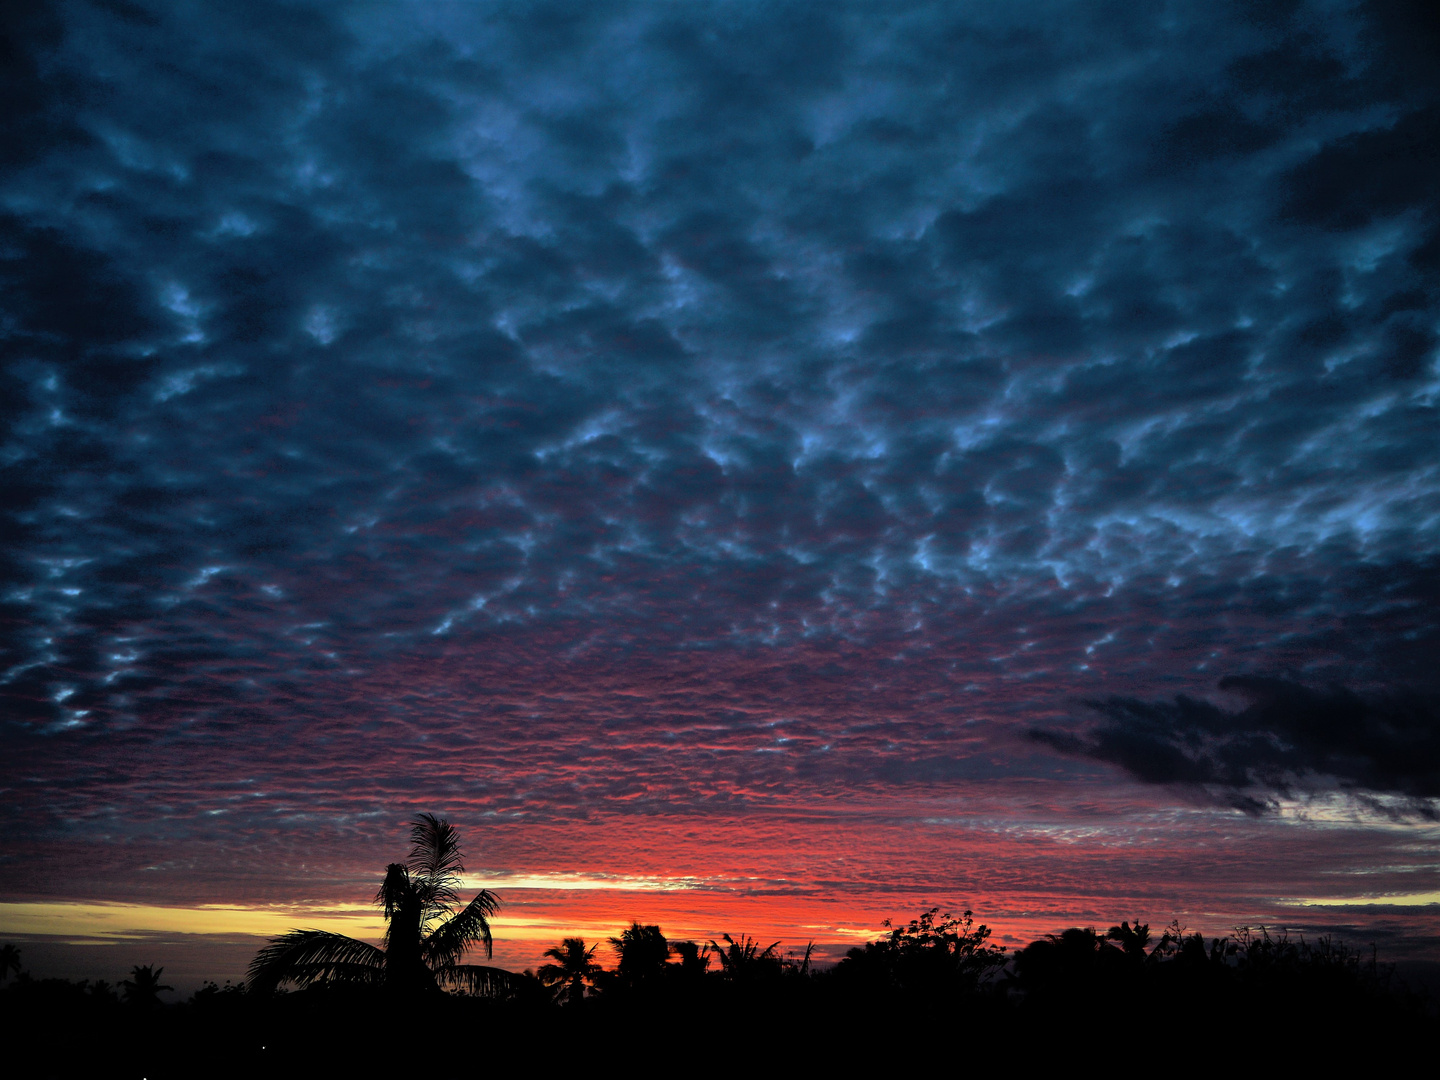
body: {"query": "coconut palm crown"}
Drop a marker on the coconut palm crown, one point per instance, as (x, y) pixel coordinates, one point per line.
(574, 967)
(426, 937)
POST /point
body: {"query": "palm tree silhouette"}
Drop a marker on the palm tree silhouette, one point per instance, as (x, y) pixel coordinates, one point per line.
(144, 986)
(745, 959)
(1132, 939)
(694, 961)
(642, 952)
(575, 966)
(425, 941)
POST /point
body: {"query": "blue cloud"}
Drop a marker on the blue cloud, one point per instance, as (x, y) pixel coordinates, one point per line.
(1056, 351)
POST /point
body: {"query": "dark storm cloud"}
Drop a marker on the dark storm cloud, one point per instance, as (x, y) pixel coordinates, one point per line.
(1286, 737)
(1054, 351)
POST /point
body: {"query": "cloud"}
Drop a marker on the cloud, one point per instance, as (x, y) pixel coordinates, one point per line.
(659, 409)
(1288, 737)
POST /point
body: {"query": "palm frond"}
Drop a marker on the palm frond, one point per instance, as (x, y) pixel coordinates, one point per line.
(447, 944)
(573, 954)
(346, 974)
(304, 956)
(405, 909)
(434, 847)
(435, 863)
(394, 889)
(482, 981)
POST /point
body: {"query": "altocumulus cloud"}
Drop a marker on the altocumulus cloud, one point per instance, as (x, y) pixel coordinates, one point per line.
(993, 355)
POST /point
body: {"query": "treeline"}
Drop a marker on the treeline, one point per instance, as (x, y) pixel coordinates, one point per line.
(939, 977)
(940, 966)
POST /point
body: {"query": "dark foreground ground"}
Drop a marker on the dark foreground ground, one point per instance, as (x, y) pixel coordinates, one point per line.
(1131, 1018)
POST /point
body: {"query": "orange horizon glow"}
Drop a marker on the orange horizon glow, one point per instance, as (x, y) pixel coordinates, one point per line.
(535, 919)
(832, 882)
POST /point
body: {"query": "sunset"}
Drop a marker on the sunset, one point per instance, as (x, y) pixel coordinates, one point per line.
(750, 469)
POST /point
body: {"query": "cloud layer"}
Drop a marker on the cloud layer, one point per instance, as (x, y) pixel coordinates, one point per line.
(564, 411)
(1287, 737)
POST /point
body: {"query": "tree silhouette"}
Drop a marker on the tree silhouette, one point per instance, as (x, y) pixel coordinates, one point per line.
(575, 967)
(744, 959)
(643, 952)
(1132, 939)
(425, 941)
(933, 955)
(694, 961)
(9, 961)
(102, 991)
(144, 986)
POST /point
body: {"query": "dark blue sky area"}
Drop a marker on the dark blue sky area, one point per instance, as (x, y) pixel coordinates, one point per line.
(594, 390)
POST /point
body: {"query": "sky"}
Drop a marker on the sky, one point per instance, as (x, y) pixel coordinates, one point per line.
(756, 468)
